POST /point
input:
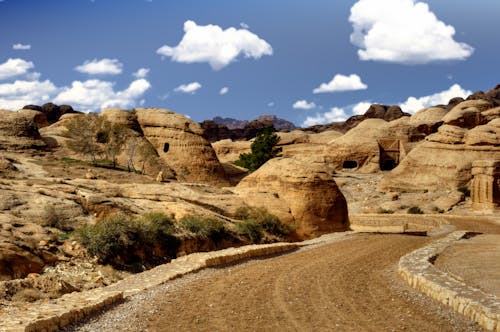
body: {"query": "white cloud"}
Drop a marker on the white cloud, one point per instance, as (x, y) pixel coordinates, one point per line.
(271, 104)
(15, 95)
(224, 90)
(342, 83)
(412, 104)
(334, 115)
(101, 67)
(403, 31)
(21, 47)
(209, 43)
(244, 25)
(15, 67)
(141, 73)
(188, 88)
(303, 105)
(93, 95)
(361, 108)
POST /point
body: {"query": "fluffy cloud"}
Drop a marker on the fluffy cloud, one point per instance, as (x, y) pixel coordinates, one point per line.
(403, 31)
(334, 115)
(21, 47)
(15, 67)
(342, 83)
(209, 43)
(412, 104)
(361, 108)
(224, 90)
(244, 25)
(303, 105)
(141, 73)
(188, 88)
(93, 95)
(101, 67)
(15, 95)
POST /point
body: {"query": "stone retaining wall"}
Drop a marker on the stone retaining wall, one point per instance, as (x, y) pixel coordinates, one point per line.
(51, 315)
(396, 223)
(417, 269)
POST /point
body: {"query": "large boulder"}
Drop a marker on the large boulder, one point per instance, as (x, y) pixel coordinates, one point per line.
(19, 130)
(301, 193)
(180, 143)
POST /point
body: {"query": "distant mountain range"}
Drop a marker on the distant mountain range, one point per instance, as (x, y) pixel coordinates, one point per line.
(278, 124)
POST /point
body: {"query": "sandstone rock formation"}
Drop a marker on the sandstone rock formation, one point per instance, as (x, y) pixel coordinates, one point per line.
(375, 111)
(428, 120)
(468, 114)
(299, 193)
(371, 146)
(181, 145)
(52, 111)
(229, 151)
(18, 130)
(492, 96)
(445, 159)
(486, 185)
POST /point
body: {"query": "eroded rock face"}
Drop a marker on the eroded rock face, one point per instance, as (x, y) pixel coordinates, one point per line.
(16, 262)
(468, 114)
(180, 143)
(18, 130)
(297, 192)
(445, 159)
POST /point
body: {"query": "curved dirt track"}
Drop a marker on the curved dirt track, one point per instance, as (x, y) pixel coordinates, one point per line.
(348, 285)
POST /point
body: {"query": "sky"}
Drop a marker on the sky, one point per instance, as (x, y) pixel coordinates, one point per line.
(307, 61)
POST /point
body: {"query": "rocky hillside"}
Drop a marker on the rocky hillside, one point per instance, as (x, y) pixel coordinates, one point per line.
(228, 128)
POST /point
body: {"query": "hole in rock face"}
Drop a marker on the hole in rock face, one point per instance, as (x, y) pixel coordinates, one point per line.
(388, 165)
(350, 164)
(166, 146)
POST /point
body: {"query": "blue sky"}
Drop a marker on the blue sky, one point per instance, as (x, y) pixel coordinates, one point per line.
(310, 62)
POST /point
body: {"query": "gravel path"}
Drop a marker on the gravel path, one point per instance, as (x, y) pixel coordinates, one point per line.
(349, 285)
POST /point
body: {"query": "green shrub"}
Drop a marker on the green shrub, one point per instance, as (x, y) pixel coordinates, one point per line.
(131, 243)
(263, 148)
(250, 229)
(415, 210)
(269, 222)
(204, 227)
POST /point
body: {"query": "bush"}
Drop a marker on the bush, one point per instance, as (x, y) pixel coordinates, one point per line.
(263, 149)
(130, 243)
(53, 217)
(415, 210)
(269, 222)
(250, 229)
(207, 228)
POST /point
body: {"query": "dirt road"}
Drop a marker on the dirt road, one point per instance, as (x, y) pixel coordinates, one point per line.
(349, 285)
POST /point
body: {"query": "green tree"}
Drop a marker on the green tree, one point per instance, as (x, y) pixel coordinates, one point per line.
(263, 148)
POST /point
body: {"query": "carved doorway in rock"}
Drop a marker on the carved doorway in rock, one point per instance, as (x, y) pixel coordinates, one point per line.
(389, 154)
